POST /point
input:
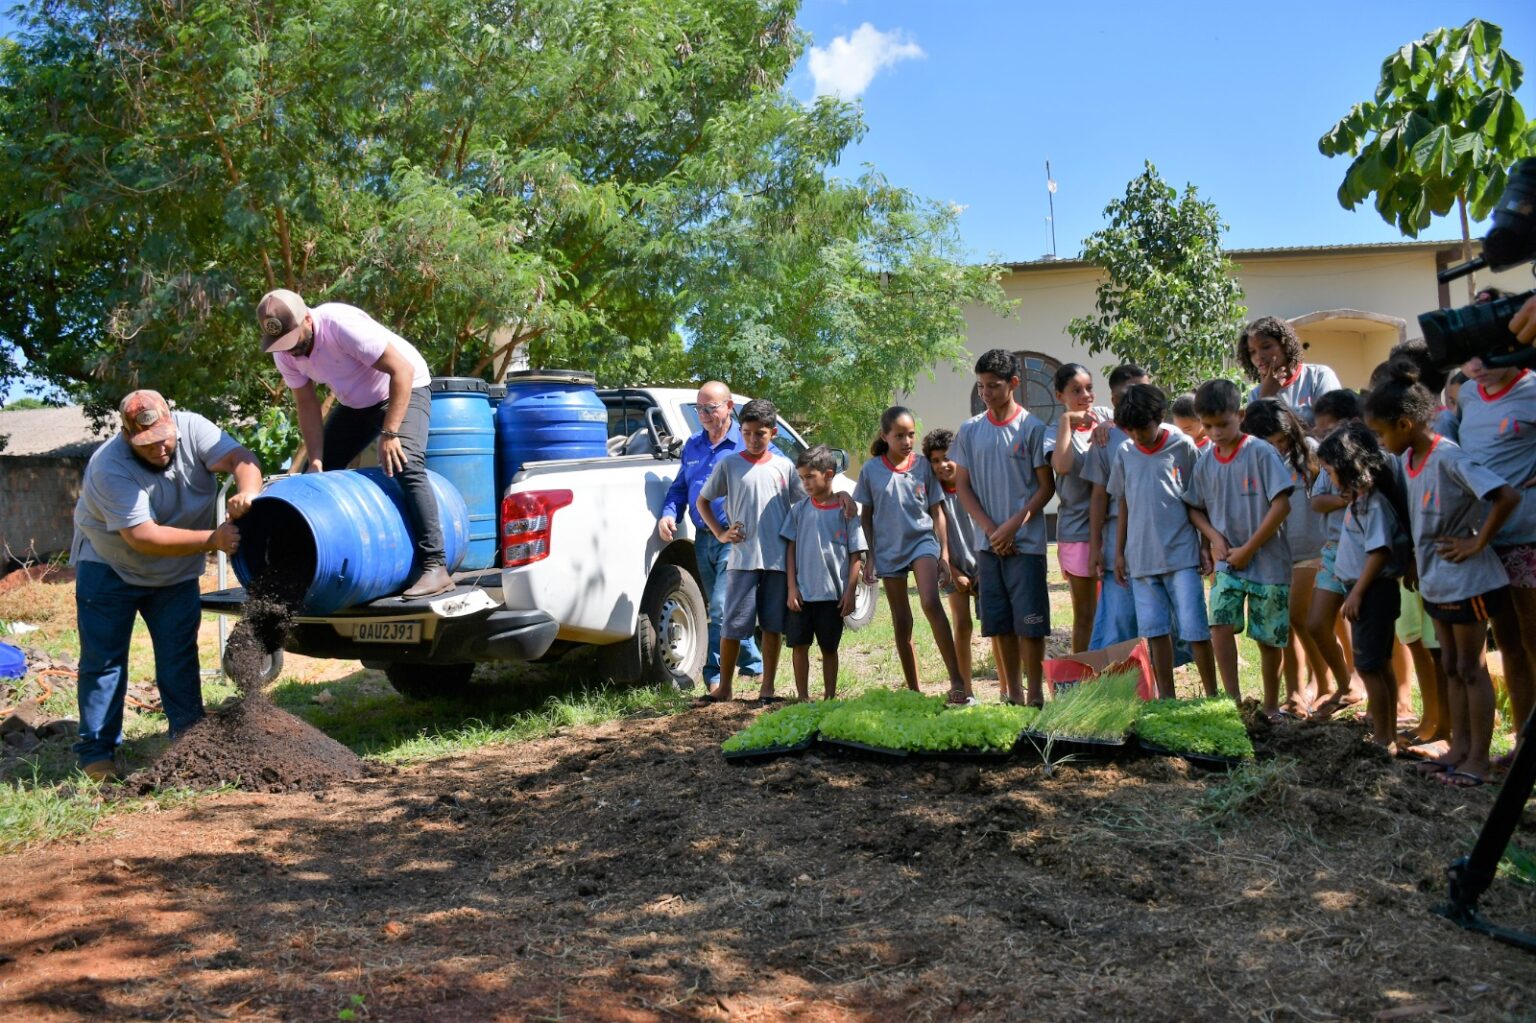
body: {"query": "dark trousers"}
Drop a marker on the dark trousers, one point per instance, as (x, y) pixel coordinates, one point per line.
(349, 430)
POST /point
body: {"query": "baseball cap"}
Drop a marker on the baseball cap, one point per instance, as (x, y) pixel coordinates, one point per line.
(146, 418)
(281, 315)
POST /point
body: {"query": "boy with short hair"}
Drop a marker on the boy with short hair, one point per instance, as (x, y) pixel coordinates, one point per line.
(1114, 620)
(961, 532)
(1185, 418)
(758, 485)
(1159, 550)
(824, 555)
(1239, 495)
(1004, 481)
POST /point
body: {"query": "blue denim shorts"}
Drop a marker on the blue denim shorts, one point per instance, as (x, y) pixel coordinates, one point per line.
(1325, 579)
(1174, 596)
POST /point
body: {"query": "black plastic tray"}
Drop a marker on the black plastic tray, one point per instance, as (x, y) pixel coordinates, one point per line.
(863, 751)
(989, 756)
(748, 756)
(1083, 749)
(1209, 761)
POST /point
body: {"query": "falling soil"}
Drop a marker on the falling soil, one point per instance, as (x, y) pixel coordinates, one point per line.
(250, 743)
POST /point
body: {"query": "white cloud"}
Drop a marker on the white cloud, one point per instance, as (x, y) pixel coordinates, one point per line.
(845, 66)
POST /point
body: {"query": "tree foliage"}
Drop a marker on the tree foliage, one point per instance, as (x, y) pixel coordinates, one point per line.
(623, 187)
(1442, 130)
(1169, 299)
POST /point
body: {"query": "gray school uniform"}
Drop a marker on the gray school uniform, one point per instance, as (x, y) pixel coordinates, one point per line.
(1001, 459)
(1499, 430)
(1073, 492)
(1307, 385)
(1304, 528)
(824, 538)
(1236, 495)
(1098, 463)
(758, 495)
(1159, 538)
(1447, 494)
(962, 535)
(1370, 525)
(899, 499)
(1332, 521)
(1447, 423)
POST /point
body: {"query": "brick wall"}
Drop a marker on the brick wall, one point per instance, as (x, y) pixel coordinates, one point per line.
(37, 505)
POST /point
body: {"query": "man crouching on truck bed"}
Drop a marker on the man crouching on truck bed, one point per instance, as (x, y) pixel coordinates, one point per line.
(380, 383)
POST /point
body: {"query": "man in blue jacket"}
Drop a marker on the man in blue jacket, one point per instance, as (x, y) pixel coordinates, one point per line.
(719, 437)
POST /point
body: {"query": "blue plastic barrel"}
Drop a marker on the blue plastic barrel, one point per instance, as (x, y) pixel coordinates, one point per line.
(13, 663)
(343, 536)
(548, 414)
(462, 449)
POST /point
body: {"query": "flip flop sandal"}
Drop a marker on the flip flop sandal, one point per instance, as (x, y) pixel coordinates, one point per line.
(1430, 768)
(1462, 779)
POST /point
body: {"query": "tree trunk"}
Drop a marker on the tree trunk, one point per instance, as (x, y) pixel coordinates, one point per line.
(1466, 243)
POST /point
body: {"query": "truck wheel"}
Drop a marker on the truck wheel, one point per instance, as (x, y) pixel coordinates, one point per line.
(672, 634)
(270, 668)
(430, 681)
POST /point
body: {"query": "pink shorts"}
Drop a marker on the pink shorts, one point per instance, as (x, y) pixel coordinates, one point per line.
(1073, 558)
(1520, 564)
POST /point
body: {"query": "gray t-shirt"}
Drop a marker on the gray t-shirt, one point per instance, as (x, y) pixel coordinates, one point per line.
(758, 495)
(1332, 521)
(824, 538)
(1370, 525)
(1098, 463)
(1499, 429)
(1307, 384)
(120, 492)
(1305, 530)
(962, 535)
(1073, 492)
(899, 498)
(1159, 538)
(1236, 493)
(1001, 459)
(1447, 423)
(1447, 497)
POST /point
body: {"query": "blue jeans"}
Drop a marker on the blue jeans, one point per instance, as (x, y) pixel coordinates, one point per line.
(711, 555)
(105, 606)
(1115, 620)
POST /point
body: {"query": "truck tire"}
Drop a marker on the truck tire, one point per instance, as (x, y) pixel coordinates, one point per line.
(430, 681)
(671, 638)
(270, 669)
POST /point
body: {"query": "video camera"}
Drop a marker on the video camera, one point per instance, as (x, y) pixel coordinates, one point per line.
(1482, 330)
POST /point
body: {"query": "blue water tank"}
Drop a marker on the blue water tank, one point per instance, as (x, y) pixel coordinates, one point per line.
(343, 536)
(548, 414)
(462, 449)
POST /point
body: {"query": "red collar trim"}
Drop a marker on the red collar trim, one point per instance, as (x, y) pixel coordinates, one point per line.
(1162, 440)
(767, 454)
(1295, 373)
(948, 488)
(905, 466)
(1496, 395)
(834, 504)
(1224, 459)
(1018, 410)
(1203, 443)
(1409, 460)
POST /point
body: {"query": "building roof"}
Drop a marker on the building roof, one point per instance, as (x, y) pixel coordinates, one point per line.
(50, 432)
(1270, 252)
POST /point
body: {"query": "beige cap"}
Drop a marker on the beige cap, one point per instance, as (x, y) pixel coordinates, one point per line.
(281, 315)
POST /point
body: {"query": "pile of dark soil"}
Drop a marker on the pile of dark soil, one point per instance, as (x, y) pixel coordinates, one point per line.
(251, 744)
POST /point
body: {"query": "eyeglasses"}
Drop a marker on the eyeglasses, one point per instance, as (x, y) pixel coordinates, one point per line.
(712, 407)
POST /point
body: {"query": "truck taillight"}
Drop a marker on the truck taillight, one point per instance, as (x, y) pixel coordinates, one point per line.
(527, 520)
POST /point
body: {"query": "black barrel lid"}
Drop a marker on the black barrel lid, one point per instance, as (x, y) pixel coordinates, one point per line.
(498, 390)
(552, 376)
(475, 384)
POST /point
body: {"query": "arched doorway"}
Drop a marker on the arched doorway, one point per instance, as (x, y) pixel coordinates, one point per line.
(1352, 341)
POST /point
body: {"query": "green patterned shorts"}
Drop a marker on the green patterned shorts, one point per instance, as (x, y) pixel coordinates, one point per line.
(1269, 608)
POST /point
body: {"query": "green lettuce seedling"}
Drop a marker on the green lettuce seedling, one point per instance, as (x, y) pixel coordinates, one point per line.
(1212, 726)
(783, 727)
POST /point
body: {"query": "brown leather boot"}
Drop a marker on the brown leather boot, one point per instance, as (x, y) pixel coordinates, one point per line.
(433, 581)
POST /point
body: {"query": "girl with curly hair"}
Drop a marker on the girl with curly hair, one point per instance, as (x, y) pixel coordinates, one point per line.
(1270, 353)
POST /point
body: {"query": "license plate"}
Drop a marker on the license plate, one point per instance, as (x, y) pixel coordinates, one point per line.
(387, 632)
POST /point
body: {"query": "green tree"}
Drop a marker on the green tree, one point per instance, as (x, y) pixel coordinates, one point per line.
(620, 187)
(1441, 132)
(1168, 300)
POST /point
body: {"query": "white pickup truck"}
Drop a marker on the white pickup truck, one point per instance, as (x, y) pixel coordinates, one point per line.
(582, 566)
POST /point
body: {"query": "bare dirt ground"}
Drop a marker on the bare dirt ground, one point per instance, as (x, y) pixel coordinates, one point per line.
(626, 872)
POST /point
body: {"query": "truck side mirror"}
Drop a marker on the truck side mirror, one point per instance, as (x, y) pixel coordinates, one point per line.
(842, 459)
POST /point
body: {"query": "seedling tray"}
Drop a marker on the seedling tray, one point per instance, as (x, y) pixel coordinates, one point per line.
(762, 753)
(863, 751)
(1208, 761)
(1065, 746)
(980, 756)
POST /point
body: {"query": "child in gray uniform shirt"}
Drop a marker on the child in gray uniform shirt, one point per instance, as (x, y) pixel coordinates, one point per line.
(961, 532)
(1461, 578)
(824, 558)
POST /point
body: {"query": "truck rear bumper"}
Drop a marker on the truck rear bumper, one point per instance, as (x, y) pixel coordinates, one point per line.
(490, 635)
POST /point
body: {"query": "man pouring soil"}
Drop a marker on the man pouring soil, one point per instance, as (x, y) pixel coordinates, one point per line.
(143, 530)
(379, 382)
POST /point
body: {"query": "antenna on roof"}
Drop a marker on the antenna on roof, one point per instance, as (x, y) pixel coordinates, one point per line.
(1050, 189)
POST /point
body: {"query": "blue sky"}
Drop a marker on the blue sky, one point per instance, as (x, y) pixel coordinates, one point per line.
(1231, 97)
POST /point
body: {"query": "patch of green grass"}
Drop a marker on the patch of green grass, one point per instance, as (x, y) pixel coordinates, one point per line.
(1518, 865)
(42, 812)
(1249, 789)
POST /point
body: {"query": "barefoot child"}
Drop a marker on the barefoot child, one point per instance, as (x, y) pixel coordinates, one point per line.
(1373, 554)
(961, 533)
(1114, 619)
(1460, 577)
(1239, 496)
(825, 553)
(1159, 549)
(1004, 481)
(903, 512)
(758, 486)
(1069, 450)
